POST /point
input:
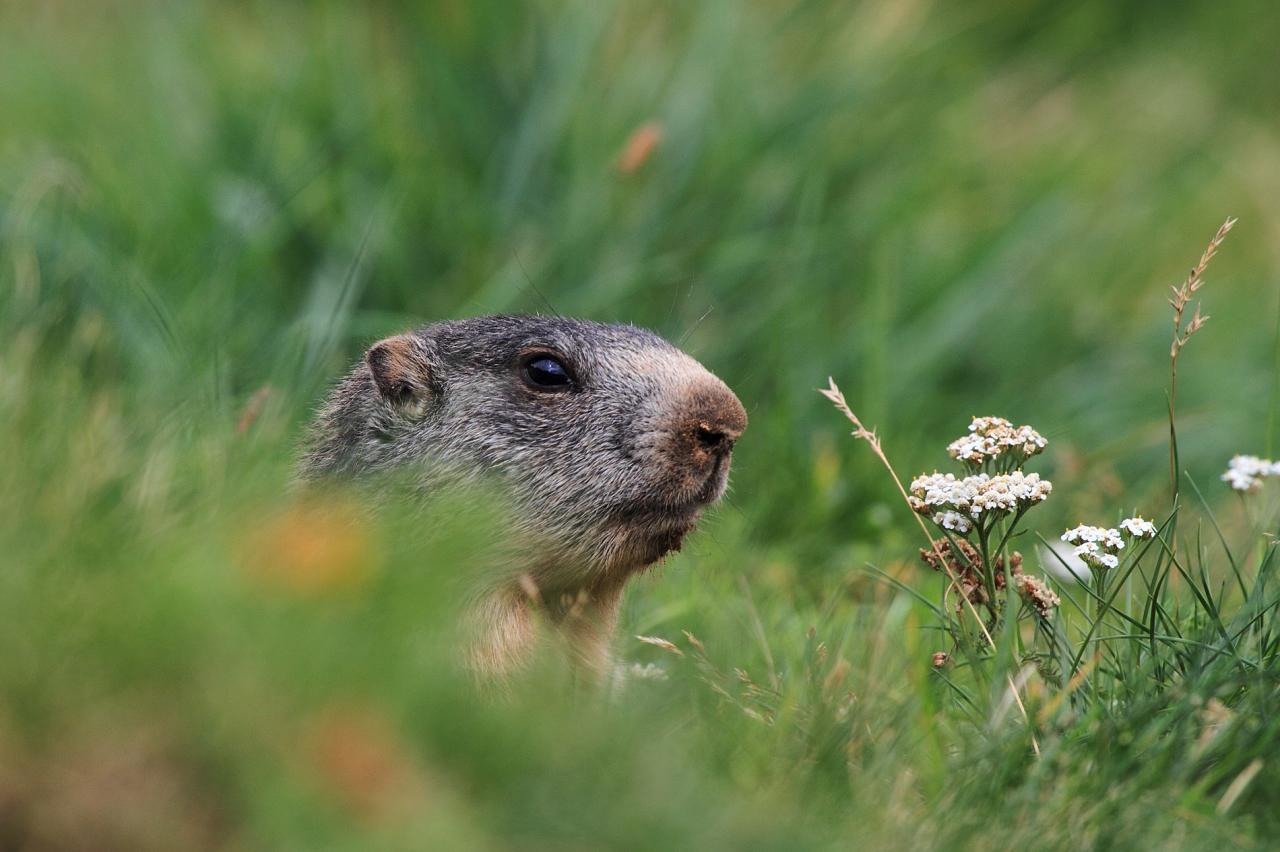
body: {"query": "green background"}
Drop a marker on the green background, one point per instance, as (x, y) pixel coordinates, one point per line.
(952, 208)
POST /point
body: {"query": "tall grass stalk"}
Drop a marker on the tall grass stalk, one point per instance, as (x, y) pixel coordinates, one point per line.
(1183, 329)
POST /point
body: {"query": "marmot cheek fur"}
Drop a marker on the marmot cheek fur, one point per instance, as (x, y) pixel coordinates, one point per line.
(608, 441)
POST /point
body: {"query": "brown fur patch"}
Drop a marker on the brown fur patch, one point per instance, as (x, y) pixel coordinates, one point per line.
(400, 369)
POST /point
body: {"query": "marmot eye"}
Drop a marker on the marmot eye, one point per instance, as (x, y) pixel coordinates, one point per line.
(546, 372)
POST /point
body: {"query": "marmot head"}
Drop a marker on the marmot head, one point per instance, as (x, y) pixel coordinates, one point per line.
(609, 440)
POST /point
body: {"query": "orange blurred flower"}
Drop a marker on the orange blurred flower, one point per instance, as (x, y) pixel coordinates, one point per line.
(640, 146)
(358, 757)
(318, 546)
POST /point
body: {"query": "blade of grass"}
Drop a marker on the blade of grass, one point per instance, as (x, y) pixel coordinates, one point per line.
(1231, 560)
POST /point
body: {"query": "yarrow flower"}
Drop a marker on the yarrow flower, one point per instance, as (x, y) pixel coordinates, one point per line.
(1037, 593)
(1245, 473)
(956, 504)
(1101, 546)
(990, 438)
(1009, 491)
(1097, 546)
(942, 489)
(953, 521)
(1138, 528)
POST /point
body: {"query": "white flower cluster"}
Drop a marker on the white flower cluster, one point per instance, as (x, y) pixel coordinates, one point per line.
(992, 437)
(1098, 546)
(1101, 546)
(955, 504)
(953, 521)
(1138, 528)
(1245, 473)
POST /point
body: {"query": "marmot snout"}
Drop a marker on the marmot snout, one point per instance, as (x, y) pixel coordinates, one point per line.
(608, 440)
(704, 426)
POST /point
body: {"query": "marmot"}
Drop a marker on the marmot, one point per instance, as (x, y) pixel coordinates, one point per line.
(608, 440)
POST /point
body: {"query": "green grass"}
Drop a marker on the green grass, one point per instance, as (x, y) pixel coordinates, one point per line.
(954, 209)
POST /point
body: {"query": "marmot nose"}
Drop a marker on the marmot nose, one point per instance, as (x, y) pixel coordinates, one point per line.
(714, 439)
(716, 418)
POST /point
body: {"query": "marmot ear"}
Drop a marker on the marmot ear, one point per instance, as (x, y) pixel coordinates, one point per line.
(402, 372)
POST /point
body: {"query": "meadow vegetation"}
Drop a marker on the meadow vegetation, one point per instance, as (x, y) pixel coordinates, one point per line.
(208, 209)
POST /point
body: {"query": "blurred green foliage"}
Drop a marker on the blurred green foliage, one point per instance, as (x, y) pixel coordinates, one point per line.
(954, 209)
